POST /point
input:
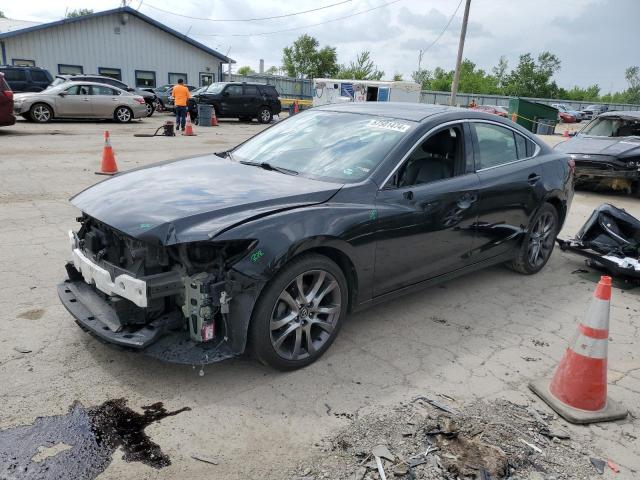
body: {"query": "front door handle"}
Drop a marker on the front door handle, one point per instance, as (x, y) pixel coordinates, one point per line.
(408, 195)
(533, 178)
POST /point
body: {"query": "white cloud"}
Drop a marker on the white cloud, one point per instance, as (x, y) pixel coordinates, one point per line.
(595, 39)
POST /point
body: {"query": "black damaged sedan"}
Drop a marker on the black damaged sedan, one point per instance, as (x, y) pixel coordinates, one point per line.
(607, 152)
(270, 245)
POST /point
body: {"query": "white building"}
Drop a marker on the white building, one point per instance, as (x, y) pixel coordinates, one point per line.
(121, 43)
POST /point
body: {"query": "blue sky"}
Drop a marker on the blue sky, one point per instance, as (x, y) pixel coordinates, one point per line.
(595, 39)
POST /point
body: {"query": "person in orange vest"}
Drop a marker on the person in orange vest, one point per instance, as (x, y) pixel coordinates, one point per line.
(180, 95)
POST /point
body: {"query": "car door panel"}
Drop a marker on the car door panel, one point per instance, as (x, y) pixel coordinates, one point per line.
(424, 231)
(509, 195)
(231, 101)
(77, 102)
(104, 101)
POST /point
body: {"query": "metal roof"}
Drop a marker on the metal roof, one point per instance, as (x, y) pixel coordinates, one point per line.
(130, 11)
(415, 112)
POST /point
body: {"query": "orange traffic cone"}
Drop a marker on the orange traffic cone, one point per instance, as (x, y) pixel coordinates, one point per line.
(566, 133)
(578, 390)
(296, 108)
(108, 166)
(188, 131)
(214, 119)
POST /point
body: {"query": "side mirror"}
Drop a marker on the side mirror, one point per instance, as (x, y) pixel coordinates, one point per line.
(129, 89)
(63, 93)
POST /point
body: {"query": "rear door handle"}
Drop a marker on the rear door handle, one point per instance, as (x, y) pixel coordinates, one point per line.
(533, 178)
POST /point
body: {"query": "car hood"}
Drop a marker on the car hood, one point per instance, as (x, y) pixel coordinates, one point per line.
(611, 146)
(195, 199)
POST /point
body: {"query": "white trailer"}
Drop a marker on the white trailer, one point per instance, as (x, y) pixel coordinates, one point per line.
(332, 90)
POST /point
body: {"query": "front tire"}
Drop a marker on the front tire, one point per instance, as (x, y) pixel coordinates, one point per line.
(41, 113)
(538, 242)
(264, 115)
(123, 115)
(150, 109)
(299, 313)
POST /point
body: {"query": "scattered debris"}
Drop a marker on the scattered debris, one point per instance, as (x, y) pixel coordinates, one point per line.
(46, 452)
(598, 464)
(328, 407)
(580, 270)
(613, 466)
(22, 350)
(34, 314)
(483, 440)
(437, 404)
(440, 320)
(200, 458)
(539, 343)
(531, 359)
(532, 446)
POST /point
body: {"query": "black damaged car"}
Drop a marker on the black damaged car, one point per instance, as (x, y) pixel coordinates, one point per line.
(607, 152)
(271, 244)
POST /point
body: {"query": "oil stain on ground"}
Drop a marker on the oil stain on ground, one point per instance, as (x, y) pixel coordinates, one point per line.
(93, 435)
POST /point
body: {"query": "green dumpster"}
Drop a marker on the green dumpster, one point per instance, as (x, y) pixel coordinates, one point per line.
(528, 113)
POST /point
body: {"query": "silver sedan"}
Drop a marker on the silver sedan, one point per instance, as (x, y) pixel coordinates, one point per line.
(80, 100)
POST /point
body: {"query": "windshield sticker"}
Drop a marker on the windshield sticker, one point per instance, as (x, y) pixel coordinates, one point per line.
(389, 125)
(347, 171)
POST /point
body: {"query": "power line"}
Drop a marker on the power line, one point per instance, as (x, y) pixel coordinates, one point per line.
(294, 28)
(444, 29)
(247, 19)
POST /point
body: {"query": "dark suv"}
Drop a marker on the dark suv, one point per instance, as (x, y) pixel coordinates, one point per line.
(26, 79)
(6, 104)
(239, 100)
(150, 98)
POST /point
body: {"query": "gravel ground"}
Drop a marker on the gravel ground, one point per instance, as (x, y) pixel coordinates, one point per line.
(478, 339)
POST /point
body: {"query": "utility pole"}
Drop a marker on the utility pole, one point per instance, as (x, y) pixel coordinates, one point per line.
(463, 33)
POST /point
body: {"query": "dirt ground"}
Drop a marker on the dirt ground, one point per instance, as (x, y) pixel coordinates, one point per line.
(477, 340)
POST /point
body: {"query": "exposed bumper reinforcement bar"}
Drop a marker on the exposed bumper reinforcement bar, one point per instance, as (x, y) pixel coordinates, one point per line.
(162, 338)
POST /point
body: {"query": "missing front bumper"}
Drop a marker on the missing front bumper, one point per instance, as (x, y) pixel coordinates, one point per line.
(164, 338)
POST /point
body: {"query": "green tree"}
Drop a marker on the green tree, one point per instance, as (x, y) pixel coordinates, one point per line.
(423, 77)
(397, 77)
(2, 14)
(531, 79)
(273, 70)
(362, 68)
(632, 75)
(246, 70)
(303, 59)
(80, 12)
(500, 71)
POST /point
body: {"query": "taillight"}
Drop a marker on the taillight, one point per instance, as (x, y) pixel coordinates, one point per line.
(8, 94)
(140, 100)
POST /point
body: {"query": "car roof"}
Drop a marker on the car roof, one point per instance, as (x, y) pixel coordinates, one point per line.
(81, 82)
(619, 113)
(415, 112)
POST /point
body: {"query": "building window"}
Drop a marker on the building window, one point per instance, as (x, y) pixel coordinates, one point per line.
(173, 77)
(110, 72)
(21, 62)
(145, 78)
(206, 79)
(70, 69)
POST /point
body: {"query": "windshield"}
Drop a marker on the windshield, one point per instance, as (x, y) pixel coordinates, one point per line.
(163, 88)
(613, 127)
(215, 87)
(332, 146)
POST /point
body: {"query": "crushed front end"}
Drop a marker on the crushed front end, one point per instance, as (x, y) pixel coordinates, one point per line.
(608, 171)
(171, 302)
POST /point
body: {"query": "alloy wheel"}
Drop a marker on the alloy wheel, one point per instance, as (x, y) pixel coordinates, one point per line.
(123, 114)
(149, 109)
(41, 113)
(265, 115)
(541, 239)
(305, 314)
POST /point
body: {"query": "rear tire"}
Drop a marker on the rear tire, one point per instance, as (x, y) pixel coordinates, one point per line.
(41, 113)
(299, 313)
(150, 109)
(537, 244)
(123, 115)
(264, 115)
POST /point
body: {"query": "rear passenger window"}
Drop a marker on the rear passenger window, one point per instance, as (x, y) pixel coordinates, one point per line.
(100, 90)
(250, 90)
(526, 148)
(39, 76)
(496, 145)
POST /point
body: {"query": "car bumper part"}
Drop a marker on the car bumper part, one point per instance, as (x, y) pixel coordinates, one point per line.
(596, 172)
(619, 267)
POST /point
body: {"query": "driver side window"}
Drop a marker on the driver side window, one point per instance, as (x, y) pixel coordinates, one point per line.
(234, 90)
(438, 157)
